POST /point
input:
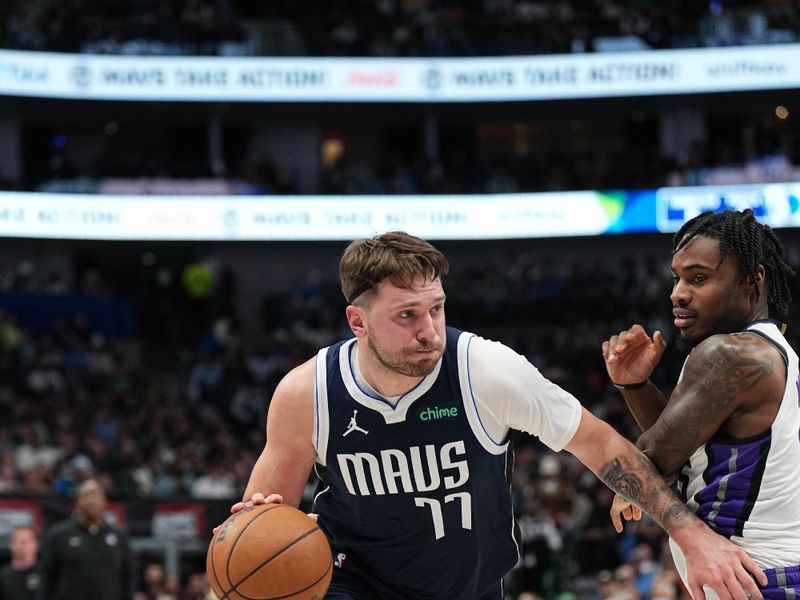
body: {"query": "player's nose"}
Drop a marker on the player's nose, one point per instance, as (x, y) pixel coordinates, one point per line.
(427, 330)
(680, 294)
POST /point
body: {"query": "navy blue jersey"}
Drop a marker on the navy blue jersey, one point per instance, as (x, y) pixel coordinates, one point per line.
(414, 495)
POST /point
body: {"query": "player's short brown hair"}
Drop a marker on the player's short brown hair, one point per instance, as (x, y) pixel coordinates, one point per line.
(397, 256)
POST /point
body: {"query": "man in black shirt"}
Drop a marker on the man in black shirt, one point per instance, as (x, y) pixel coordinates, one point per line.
(19, 580)
(85, 558)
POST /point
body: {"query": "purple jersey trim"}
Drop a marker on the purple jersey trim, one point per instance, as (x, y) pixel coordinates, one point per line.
(783, 583)
(733, 481)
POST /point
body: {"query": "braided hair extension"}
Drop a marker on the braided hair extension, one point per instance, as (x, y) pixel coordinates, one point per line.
(751, 243)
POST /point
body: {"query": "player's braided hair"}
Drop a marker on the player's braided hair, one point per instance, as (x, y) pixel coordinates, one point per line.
(751, 243)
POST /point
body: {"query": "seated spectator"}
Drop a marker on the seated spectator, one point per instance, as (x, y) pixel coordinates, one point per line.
(218, 483)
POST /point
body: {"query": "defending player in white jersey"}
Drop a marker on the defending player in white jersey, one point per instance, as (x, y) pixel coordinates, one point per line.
(729, 434)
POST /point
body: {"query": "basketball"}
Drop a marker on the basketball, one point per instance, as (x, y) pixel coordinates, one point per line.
(269, 551)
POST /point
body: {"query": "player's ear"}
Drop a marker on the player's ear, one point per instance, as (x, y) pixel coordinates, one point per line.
(760, 278)
(355, 319)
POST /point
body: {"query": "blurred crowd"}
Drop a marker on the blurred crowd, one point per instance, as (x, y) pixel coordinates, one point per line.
(75, 404)
(120, 26)
(752, 151)
(157, 584)
(601, 168)
(519, 27)
(390, 27)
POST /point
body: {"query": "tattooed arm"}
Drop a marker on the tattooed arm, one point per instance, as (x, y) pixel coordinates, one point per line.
(627, 471)
(731, 384)
(713, 560)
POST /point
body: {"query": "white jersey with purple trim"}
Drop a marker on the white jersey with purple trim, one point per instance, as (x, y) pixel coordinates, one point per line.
(749, 489)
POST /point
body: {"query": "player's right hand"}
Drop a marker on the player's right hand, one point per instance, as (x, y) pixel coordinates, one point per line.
(257, 498)
(631, 355)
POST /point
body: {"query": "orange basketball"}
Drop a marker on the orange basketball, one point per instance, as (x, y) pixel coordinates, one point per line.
(269, 551)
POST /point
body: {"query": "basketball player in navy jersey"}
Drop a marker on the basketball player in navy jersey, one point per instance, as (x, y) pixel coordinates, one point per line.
(729, 434)
(407, 426)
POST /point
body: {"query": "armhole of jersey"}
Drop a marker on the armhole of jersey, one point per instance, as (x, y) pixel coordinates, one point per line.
(468, 398)
(321, 423)
(772, 342)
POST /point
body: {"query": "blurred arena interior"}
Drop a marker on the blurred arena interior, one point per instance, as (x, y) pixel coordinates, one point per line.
(149, 363)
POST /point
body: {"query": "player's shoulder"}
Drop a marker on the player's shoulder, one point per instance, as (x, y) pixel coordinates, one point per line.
(481, 347)
(724, 346)
(494, 360)
(292, 403)
(743, 356)
(299, 381)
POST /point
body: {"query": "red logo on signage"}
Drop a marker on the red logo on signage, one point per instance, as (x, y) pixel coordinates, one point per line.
(383, 79)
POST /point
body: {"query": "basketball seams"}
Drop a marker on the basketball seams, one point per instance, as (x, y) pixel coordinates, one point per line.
(234, 586)
(233, 547)
(239, 536)
(308, 587)
(216, 576)
(275, 555)
(226, 595)
(233, 593)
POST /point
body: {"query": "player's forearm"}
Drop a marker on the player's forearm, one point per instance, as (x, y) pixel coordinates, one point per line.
(627, 471)
(659, 454)
(256, 481)
(634, 477)
(263, 480)
(645, 404)
(281, 471)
